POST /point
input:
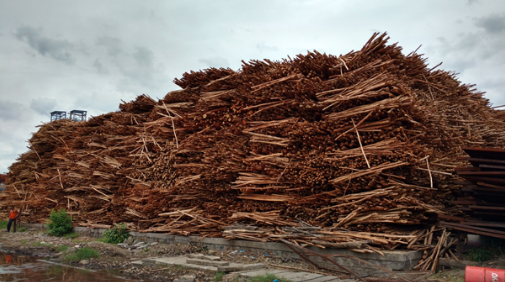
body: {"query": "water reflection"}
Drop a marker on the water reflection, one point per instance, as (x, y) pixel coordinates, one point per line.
(25, 268)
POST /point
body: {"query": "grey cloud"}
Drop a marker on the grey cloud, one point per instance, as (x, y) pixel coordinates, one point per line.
(11, 110)
(493, 23)
(461, 52)
(141, 68)
(140, 71)
(99, 67)
(98, 103)
(144, 57)
(45, 46)
(217, 62)
(112, 44)
(471, 2)
(43, 106)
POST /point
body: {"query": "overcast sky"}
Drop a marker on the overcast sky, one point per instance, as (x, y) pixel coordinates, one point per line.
(88, 55)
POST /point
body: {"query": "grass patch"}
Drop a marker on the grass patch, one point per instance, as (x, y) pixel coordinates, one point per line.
(3, 225)
(23, 242)
(39, 244)
(71, 235)
(83, 253)
(490, 250)
(219, 276)
(267, 278)
(62, 248)
(448, 275)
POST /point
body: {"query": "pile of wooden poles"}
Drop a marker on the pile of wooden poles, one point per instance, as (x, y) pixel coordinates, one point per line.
(316, 149)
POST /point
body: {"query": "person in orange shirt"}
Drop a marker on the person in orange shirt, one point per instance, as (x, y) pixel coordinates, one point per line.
(8, 259)
(12, 217)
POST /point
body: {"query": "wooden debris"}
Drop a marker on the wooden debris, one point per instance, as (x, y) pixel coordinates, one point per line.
(274, 145)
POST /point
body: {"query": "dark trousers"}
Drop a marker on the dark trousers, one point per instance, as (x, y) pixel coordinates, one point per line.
(9, 224)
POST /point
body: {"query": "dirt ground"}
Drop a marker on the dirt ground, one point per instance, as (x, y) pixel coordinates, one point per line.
(458, 275)
(118, 260)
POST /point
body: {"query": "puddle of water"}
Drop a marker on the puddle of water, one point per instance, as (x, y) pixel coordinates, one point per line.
(26, 268)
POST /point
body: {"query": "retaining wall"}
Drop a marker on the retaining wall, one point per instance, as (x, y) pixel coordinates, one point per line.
(392, 260)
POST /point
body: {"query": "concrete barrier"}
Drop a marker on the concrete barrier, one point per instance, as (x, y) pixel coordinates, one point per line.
(392, 260)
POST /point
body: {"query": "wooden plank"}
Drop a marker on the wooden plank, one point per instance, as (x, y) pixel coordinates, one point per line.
(485, 223)
(487, 208)
(489, 213)
(486, 167)
(471, 229)
(487, 185)
(489, 180)
(479, 161)
(485, 153)
(500, 174)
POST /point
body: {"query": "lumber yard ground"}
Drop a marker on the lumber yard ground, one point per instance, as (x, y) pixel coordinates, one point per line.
(121, 261)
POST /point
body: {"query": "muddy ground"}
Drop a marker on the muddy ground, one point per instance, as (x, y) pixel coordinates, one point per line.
(118, 260)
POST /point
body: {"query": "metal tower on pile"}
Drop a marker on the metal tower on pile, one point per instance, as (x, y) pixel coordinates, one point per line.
(57, 115)
(78, 115)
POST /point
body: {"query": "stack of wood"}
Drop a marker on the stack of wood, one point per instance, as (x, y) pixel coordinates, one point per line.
(484, 198)
(318, 149)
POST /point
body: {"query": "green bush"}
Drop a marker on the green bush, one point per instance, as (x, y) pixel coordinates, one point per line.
(60, 223)
(3, 224)
(490, 250)
(480, 254)
(117, 234)
(83, 253)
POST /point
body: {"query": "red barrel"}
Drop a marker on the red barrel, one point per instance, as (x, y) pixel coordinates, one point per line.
(484, 274)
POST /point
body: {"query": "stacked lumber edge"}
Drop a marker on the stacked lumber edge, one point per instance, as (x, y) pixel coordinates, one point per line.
(352, 151)
(484, 200)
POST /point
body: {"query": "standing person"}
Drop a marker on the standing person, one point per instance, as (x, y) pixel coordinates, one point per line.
(12, 218)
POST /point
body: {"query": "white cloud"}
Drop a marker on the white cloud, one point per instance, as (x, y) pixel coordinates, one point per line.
(43, 106)
(91, 54)
(216, 62)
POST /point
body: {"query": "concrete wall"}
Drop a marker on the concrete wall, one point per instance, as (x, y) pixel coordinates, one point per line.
(392, 260)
